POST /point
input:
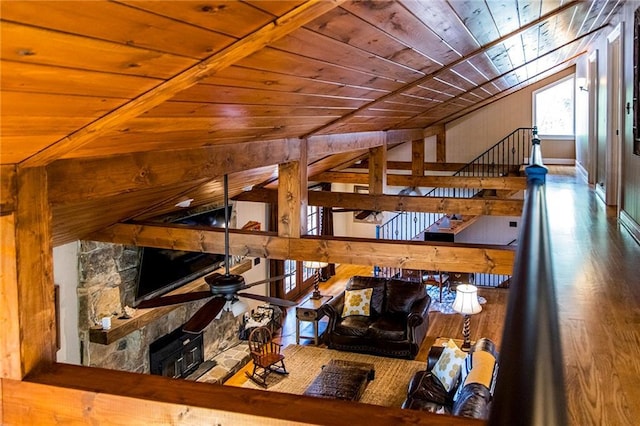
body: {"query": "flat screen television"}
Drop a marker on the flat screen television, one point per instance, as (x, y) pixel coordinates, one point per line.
(163, 270)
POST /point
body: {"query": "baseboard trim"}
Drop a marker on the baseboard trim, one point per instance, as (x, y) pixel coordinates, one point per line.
(559, 161)
(630, 225)
(582, 172)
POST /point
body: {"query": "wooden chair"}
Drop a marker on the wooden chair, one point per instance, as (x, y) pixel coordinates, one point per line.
(265, 355)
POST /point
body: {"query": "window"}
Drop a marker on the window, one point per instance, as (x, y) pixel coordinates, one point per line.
(291, 266)
(553, 109)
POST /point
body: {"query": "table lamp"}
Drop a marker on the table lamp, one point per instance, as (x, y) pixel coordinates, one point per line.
(467, 304)
(316, 276)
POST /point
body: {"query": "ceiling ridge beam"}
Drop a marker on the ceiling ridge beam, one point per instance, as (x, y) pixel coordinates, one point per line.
(445, 68)
(242, 48)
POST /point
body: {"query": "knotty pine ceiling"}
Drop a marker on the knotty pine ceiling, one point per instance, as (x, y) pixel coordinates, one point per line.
(97, 79)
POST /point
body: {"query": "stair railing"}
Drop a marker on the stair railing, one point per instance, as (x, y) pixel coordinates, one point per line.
(502, 159)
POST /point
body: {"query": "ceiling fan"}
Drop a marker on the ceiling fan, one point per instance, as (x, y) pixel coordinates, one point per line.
(222, 288)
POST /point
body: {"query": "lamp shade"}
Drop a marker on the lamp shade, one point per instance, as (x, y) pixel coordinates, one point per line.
(466, 301)
(314, 264)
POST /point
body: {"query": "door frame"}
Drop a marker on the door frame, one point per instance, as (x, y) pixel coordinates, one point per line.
(592, 74)
(614, 117)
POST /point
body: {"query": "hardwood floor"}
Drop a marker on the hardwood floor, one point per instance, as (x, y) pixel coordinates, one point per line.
(597, 278)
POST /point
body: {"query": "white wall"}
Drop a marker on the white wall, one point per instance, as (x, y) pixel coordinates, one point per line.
(247, 211)
(490, 230)
(65, 275)
(474, 133)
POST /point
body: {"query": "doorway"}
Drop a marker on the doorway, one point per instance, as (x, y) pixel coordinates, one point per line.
(614, 115)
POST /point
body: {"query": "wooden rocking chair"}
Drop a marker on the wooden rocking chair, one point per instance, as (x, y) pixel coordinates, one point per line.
(265, 355)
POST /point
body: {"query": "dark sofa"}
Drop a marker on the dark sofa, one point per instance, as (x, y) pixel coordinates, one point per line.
(397, 323)
(426, 393)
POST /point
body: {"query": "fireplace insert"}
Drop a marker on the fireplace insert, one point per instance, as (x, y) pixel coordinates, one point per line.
(176, 354)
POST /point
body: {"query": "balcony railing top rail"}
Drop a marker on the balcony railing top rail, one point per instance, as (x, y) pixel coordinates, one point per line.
(530, 384)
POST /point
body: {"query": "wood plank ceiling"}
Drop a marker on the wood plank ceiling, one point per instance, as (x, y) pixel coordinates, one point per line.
(100, 79)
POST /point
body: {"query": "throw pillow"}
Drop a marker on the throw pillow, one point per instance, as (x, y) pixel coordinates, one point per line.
(464, 371)
(357, 302)
(482, 371)
(447, 368)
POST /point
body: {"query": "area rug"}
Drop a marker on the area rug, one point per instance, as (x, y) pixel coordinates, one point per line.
(448, 296)
(389, 388)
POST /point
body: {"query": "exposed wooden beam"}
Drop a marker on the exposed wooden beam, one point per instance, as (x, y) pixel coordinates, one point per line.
(400, 254)
(27, 312)
(7, 188)
(417, 157)
(292, 196)
(321, 146)
(391, 203)
(81, 179)
(396, 203)
(509, 183)
(242, 48)
(106, 396)
(406, 165)
(378, 170)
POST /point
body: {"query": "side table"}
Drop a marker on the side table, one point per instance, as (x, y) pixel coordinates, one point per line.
(310, 310)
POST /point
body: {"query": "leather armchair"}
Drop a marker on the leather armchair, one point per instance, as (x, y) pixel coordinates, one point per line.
(397, 324)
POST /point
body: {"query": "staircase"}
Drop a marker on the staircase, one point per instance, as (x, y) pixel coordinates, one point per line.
(505, 158)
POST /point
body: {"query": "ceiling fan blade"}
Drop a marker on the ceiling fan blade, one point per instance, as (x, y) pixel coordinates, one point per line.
(201, 319)
(173, 299)
(268, 280)
(364, 214)
(272, 300)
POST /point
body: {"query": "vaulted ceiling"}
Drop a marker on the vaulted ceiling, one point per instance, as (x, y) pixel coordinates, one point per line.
(87, 86)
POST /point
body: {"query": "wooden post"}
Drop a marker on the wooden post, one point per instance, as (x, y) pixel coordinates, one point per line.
(292, 196)
(417, 157)
(441, 145)
(378, 169)
(27, 311)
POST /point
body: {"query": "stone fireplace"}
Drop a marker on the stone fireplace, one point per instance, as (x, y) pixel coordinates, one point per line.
(107, 274)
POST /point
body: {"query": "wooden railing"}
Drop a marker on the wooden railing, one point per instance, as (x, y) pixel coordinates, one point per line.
(530, 385)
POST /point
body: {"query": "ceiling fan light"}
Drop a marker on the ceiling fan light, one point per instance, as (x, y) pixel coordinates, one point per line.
(239, 307)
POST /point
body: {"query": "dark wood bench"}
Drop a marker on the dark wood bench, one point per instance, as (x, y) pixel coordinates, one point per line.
(341, 379)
